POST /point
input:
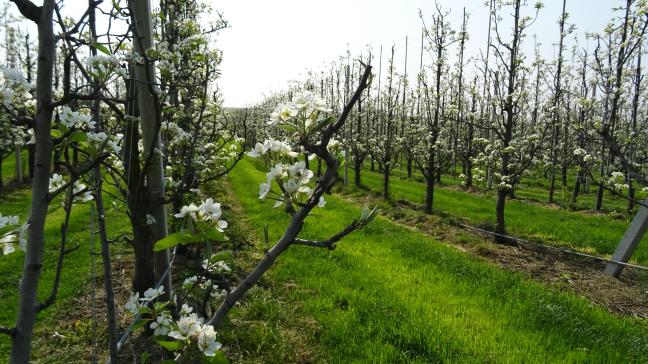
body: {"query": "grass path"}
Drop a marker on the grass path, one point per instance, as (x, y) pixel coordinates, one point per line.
(597, 234)
(388, 294)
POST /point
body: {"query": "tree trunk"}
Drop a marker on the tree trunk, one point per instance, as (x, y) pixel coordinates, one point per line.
(599, 197)
(111, 316)
(552, 184)
(386, 183)
(631, 195)
(577, 185)
(27, 309)
(151, 120)
(19, 169)
(429, 194)
(358, 170)
(500, 227)
(31, 157)
(144, 277)
(346, 167)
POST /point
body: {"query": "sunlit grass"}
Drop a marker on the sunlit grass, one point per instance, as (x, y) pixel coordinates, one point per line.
(560, 227)
(388, 294)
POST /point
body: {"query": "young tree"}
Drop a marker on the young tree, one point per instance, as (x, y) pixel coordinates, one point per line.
(440, 36)
(515, 146)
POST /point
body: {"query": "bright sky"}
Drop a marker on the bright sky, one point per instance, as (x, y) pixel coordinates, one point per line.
(272, 42)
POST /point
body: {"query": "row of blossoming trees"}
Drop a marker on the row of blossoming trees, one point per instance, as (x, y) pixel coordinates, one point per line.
(495, 118)
(124, 104)
(130, 110)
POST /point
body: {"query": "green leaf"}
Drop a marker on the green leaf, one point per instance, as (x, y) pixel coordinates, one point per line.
(287, 127)
(224, 255)
(324, 123)
(102, 48)
(56, 133)
(266, 236)
(214, 235)
(169, 345)
(172, 240)
(78, 136)
(158, 306)
(218, 358)
(8, 228)
(140, 323)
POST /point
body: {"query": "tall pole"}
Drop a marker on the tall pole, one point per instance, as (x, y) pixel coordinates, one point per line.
(151, 121)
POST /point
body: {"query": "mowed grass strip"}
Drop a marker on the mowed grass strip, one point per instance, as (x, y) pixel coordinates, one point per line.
(389, 294)
(597, 234)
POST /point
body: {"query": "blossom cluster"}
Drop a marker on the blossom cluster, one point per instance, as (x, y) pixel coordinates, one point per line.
(207, 211)
(583, 155)
(305, 106)
(75, 119)
(292, 180)
(16, 88)
(304, 115)
(199, 286)
(272, 149)
(103, 66)
(616, 181)
(187, 329)
(11, 234)
(80, 192)
(14, 93)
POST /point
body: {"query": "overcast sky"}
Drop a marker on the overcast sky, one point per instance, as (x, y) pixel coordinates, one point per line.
(272, 42)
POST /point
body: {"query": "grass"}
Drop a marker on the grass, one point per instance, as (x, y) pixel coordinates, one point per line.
(9, 167)
(598, 234)
(389, 294)
(76, 267)
(535, 187)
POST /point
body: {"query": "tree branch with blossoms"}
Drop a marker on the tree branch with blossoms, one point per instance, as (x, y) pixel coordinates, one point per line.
(306, 118)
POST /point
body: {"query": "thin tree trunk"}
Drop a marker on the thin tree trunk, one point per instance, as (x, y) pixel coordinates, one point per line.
(500, 227)
(27, 309)
(111, 315)
(386, 183)
(19, 169)
(429, 194)
(577, 185)
(357, 171)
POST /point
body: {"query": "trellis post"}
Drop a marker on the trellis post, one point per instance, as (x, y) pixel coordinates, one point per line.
(629, 242)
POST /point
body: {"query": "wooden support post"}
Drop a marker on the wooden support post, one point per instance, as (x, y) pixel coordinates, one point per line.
(629, 242)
